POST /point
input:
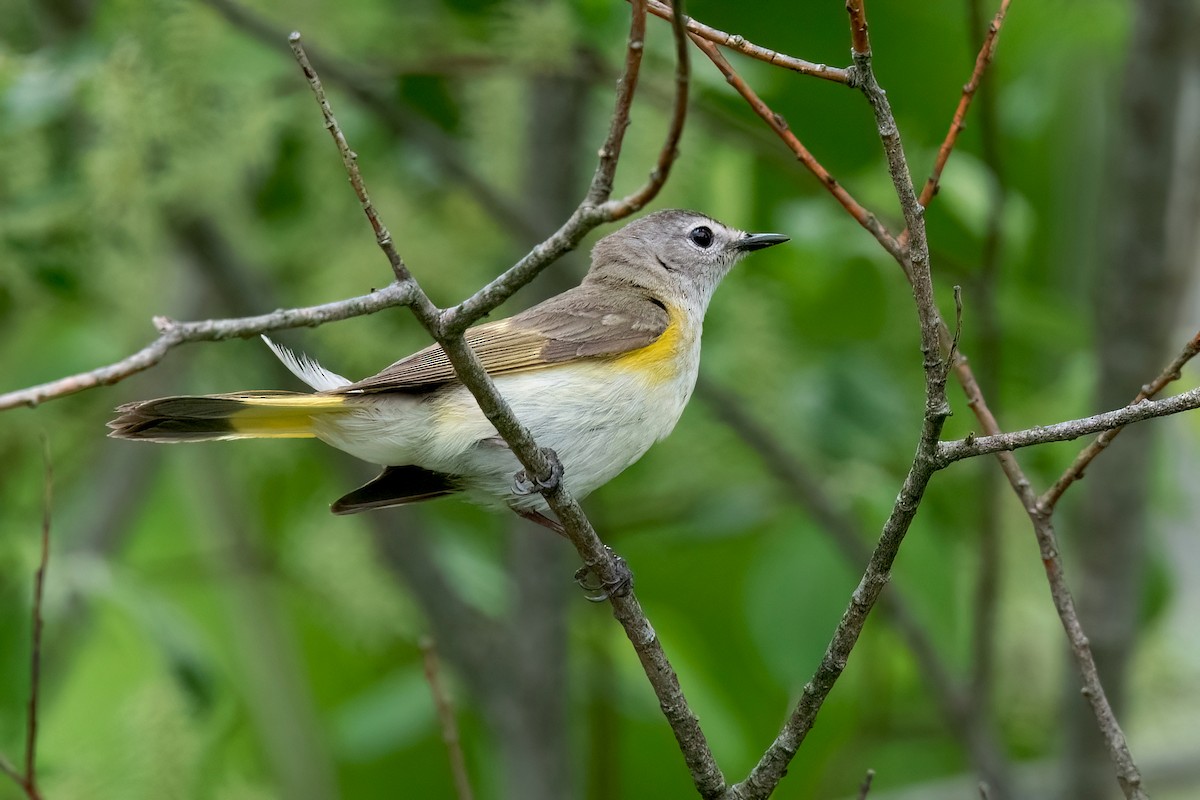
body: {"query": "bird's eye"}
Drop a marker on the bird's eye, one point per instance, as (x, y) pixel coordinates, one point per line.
(701, 236)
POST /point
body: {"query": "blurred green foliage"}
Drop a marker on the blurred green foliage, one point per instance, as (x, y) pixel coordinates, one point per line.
(200, 597)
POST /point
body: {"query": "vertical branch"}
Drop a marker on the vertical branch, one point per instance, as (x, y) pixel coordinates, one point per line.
(1050, 498)
(610, 152)
(770, 769)
(28, 780)
(669, 151)
(989, 575)
(35, 659)
(447, 329)
(458, 765)
(860, 43)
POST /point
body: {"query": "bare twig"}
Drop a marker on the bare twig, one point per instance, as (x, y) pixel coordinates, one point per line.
(990, 574)
(458, 765)
(173, 334)
(447, 326)
(971, 729)
(8, 769)
(28, 780)
(442, 150)
(610, 152)
(771, 767)
(349, 157)
(669, 151)
(35, 659)
(948, 452)
(1074, 472)
(865, 788)
(986, 52)
(596, 208)
(778, 124)
(735, 42)
(860, 43)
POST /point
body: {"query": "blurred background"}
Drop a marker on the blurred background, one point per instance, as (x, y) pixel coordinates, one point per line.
(212, 632)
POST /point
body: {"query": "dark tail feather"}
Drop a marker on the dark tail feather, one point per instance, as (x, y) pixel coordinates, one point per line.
(244, 415)
(396, 486)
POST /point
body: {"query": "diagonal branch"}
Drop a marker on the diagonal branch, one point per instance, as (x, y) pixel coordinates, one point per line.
(770, 769)
(596, 208)
(442, 149)
(949, 452)
(957, 123)
(949, 694)
(777, 123)
(35, 659)
(1074, 472)
(446, 327)
(173, 333)
(735, 42)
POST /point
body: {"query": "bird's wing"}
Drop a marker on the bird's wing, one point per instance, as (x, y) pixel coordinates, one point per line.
(584, 322)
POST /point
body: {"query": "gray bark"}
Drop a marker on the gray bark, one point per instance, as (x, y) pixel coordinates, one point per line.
(1136, 308)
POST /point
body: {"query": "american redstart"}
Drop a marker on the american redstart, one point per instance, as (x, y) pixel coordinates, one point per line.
(598, 373)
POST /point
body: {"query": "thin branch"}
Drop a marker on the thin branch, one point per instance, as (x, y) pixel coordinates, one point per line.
(766, 775)
(971, 729)
(173, 333)
(865, 788)
(670, 148)
(8, 769)
(349, 158)
(736, 42)
(860, 42)
(957, 123)
(1074, 472)
(458, 764)
(989, 576)
(35, 659)
(610, 152)
(596, 208)
(28, 780)
(778, 124)
(1064, 604)
(442, 149)
(446, 327)
(949, 452)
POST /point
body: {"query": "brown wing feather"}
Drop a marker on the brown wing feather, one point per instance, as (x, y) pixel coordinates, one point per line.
(584, 322)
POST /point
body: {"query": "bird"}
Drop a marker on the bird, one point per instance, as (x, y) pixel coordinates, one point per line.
(598, 374)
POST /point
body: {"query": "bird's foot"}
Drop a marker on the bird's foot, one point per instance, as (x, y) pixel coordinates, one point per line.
(524, 485)
(619, 586)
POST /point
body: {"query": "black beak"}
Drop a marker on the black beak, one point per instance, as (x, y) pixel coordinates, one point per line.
(757, 241)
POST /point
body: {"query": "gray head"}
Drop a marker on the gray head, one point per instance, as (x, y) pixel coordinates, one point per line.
(673, 253)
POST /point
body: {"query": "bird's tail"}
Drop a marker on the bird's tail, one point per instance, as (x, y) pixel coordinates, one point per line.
(243, 415)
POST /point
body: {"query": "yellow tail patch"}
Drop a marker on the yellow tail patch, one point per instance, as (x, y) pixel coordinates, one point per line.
(282, 416)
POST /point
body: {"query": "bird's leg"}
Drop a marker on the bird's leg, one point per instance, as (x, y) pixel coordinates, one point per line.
(541, 519)
(585, 576)
(523, 485)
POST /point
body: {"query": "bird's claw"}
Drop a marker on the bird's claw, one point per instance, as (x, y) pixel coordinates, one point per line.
(619, 586)
(524, 485)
